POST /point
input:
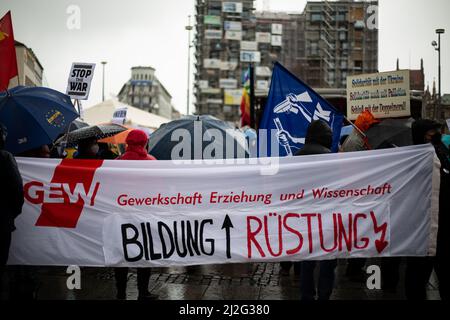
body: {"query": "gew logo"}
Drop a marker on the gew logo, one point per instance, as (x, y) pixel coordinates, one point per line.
(70, 189)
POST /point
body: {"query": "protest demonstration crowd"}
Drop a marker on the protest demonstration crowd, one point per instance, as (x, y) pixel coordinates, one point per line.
(70, 198)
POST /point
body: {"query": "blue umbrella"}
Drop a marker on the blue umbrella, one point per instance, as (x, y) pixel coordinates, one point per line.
(34, 116)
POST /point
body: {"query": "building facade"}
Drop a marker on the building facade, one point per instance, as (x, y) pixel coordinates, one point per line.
(223, 31)
(30, 70)
(322, 45)
(431, 107)
(145, 91)
(341, 39)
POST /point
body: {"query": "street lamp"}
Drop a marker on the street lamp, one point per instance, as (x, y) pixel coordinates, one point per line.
(103, 84)
(189, 28)
(437, 47)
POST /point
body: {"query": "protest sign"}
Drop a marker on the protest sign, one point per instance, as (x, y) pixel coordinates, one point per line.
(120, 115)
(164, 213)
(79, 83)
(385, 94)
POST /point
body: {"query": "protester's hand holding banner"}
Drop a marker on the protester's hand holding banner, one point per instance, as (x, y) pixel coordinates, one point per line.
(165, 213)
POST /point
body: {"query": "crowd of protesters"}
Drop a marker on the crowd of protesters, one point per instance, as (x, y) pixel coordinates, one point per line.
(318, 141)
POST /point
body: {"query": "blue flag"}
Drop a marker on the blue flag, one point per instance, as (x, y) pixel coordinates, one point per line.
(291, 107)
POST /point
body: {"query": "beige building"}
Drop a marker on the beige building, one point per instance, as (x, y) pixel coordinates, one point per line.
(146, 92)
(29, 67)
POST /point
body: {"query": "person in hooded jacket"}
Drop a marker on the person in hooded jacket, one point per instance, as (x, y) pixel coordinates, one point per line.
(137, 145)
(419, 269)
(11, 198)
(87, 149)
(319, 139)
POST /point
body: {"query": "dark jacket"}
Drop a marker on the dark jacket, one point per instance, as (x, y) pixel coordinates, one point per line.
(419, 129)
(319, 139)
(11, 197)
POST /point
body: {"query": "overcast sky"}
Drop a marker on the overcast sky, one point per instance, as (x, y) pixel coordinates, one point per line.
(152, 32)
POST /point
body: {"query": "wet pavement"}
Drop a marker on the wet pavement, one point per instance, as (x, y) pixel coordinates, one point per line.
(258, 281)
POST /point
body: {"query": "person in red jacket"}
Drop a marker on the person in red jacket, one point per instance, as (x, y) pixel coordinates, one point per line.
(137, 143)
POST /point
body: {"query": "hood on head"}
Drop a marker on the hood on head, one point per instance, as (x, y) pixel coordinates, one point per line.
(420, 127)
(137, 138)
(319, 132)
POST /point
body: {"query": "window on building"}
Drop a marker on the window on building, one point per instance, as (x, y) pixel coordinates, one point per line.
(340, 16)
(331, 76)
(314, 48)
(315, 17)
(214, 12)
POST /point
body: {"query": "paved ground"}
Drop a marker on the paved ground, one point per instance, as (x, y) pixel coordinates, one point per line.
(259, 281)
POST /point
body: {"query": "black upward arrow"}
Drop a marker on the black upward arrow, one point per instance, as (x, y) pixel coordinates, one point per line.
(227, 225)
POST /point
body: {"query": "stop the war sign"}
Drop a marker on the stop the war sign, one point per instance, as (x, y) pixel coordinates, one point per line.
(80, 78)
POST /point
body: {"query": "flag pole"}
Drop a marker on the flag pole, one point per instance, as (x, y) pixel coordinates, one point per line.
(354, 126)
(252, 96)
(15, 52)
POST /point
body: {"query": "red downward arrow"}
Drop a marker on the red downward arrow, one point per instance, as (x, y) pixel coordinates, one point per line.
(381, 243)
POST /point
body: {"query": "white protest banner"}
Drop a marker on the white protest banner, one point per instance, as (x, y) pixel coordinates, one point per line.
(385, 94)
(120, 115)
(234, 7)
(212, 63)
(249, 45)
(263, 71)
(233, 35)
(168, 213)
(79, 83)
(262, 84)
(232, 25)
(263, 37)
(250, 56)
(228, 65)
(276, 41)
(277, 28)
(213, 34)
(203, 84)
(228, 83)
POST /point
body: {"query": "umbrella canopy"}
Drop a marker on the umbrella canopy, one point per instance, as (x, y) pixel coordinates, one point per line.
(97, 132)
(390, 133)
(77, 124)
(34, 116)
(214, 132)
(119, 138)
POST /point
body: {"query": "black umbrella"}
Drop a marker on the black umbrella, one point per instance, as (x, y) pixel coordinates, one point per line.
(97, 132)
(209, 131)
(75, 125)
(390, 133)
